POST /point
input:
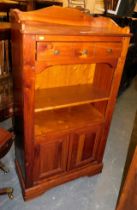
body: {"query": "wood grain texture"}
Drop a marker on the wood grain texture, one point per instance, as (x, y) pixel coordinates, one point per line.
(5, 142)
(71, 20)
(51, 158)
(44, 185)
(128, 199)
(65, 120)
(113, 93)
(5, 136)
(70, 75)
(83, 147)
(54, 98)
(66, 81)
(6, 98)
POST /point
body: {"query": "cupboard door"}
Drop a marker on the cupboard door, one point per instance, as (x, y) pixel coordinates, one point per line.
(83, 147)
(50, 157)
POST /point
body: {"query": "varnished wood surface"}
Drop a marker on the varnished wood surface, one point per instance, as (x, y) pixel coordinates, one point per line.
(5, 142)
(74, 38)
(5, 136)
(59, 97)
(6, 97)
(5, 30)
(55, 52)
(128, 199)
(65, 20)
(66, 119)
(5, 26)
(53, 155)
(84, 146)
(69, 75)
(127, 194)
(44, 185)
(114, 90)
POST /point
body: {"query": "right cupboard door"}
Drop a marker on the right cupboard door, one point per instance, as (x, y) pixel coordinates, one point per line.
(84, 147)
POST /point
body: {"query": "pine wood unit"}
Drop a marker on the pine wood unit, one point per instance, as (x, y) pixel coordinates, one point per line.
(65, 86)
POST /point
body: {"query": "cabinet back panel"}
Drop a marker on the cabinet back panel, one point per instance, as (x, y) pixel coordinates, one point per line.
(65, 75)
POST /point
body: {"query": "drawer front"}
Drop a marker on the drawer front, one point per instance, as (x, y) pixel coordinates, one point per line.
(76, 52)
(63, 51)
(107, 50)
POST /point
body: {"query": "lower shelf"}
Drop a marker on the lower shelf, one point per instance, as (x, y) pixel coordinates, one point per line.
(66, 119)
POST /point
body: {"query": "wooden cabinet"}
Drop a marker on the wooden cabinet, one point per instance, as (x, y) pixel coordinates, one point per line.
(65, 85)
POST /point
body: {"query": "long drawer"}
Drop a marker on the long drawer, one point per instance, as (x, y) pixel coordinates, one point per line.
(81, 52)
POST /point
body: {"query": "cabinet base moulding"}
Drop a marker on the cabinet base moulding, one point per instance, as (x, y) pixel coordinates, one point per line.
(34, 191)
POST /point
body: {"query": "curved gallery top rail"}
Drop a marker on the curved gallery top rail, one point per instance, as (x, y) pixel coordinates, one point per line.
(58, 20)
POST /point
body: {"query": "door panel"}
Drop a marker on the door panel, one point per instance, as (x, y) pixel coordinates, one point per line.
(83, 147)
(50, 157)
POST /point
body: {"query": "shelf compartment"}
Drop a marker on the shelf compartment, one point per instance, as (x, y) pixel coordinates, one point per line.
(61, 97)
(66, 119)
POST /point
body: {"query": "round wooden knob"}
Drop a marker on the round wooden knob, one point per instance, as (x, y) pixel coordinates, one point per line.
(84, 52)
(56, 52)
(109, 50)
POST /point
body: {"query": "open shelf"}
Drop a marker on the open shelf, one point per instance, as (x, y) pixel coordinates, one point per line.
(61, 97)
(66, 119)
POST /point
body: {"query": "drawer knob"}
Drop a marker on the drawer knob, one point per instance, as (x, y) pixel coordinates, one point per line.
(109, 50)
(56, 52)
(84, 52)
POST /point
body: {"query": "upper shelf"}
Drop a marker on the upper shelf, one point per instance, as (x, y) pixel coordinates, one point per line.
(60, 97)
(58, 20)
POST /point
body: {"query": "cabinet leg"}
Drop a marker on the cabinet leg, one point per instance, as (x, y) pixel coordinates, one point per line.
(91, 174)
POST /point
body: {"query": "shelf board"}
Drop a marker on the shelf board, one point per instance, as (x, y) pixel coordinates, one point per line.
(61, 97)
(66, 119)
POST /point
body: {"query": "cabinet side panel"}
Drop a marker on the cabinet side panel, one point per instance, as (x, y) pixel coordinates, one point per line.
(28, 103)
(23, 59)
(104, 76)
(113, 93)
(18, 97)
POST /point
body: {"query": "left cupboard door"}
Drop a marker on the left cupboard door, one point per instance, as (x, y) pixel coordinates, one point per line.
(50, 157)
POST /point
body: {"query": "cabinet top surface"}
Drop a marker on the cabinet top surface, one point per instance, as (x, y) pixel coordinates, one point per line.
(64, 21)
